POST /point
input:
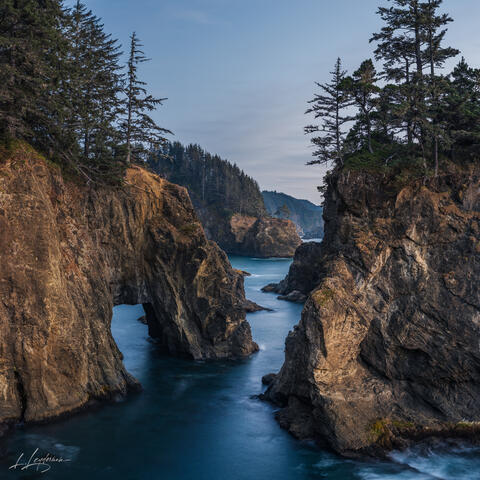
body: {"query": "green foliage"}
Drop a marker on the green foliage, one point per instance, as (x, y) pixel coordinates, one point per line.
(28, 75)
(213, 183)
(362, 88)
(383, 431)
(460, 111)
(323, 296)
(329, 105)
(419, 115)
(62, 89)
(142, 135)
(283, 212)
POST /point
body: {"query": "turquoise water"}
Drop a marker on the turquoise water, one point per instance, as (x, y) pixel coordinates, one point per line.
(199, 421)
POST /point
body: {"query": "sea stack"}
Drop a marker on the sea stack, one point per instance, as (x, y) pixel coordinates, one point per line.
(387, 347)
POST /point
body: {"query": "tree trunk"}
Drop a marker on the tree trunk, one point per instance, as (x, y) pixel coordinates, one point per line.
(129, 132)
(419, 81)
(418, 43)
(409, 100)
(434, 88)
(86, 143)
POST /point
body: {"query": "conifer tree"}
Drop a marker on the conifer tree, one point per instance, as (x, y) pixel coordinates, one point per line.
(140, 131)
(30, 38)
(95, 88)
(415, 31)
(461, 109)
(398, 55)
(329, 106)
(401, 43)
(436, 54)
(363, 89)
(389, 116)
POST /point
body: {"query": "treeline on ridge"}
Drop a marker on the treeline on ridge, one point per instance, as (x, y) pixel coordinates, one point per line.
(212, 182)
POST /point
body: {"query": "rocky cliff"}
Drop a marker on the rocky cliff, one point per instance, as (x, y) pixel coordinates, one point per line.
(70, 252)
(304, 214)
(261, 237)
(226, 201)
(387, 349)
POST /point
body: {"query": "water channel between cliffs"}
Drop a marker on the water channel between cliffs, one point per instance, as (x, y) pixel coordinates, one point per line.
(200, 421)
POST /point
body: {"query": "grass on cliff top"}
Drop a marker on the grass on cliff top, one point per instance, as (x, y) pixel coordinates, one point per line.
(386, 158)
(399, 164)
(403, 163)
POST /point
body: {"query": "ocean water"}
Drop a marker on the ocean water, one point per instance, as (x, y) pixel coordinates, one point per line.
(201, 421)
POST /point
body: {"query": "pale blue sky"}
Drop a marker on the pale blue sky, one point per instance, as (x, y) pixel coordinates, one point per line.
(238, 73)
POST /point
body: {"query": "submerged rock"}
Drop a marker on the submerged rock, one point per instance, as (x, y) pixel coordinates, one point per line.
(70, 252)
(387, 348)
(295, 296)
(290, 296)
(252, 307)
(270, 288)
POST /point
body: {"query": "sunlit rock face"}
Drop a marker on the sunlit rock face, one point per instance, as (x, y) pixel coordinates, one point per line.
(69, 252)
(261, 237)
(388, 346)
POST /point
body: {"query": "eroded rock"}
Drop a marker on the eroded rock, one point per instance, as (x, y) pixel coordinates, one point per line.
(268, 378)
(262, 237)
(295, 297)
(69, 253)
(387, 347)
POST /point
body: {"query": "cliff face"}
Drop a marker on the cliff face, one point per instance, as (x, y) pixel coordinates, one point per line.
(261, 237)
(387, 347)
(227, 201)
(304, 214)
(69, 253)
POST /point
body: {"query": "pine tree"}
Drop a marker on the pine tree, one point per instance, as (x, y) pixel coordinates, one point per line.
(461, 110)
(398, 55)
(95, 88)
(414, 32)
(283, 212)
(363, 89)
(30, 39)
(140, 131)
(401, 43)
(329, 106)
(389, 116)
(436, 55)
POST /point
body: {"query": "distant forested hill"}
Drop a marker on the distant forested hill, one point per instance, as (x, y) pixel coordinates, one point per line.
(211, 181)
(306, 215)
(228, 202)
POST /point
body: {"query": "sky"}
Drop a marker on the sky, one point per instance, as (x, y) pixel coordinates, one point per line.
(238, 73)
